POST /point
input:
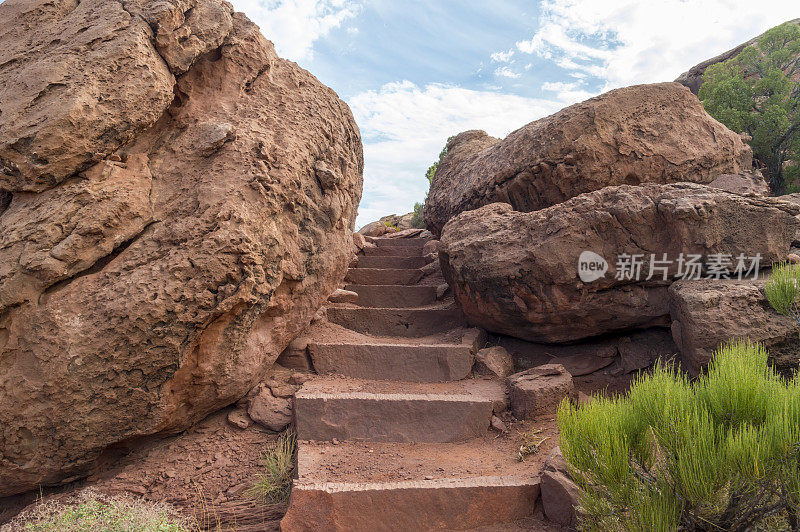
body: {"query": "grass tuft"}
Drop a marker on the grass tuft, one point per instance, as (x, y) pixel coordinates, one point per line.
(274, 484)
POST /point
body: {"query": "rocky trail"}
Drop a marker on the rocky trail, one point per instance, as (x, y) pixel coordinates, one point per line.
(394, 433)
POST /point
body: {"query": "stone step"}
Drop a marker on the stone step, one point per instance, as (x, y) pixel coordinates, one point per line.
(393, 296)
(333, 407)
(391, 262)
(396, 242)
(405, 322)
(389, 486)
(380, 276)
(400, 362)
(394, 251)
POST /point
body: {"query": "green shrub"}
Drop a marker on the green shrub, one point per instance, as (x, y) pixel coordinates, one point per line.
(722, 453)
(90, 511)
(274, 484)
(416, 220)
(783, 288)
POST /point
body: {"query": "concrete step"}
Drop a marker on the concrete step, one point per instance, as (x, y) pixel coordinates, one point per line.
(394, 251)
(333, 407)
(405, 322)
(389, 486)
(393, 296)
(383, 276)
(391, 262)
(395, 242)
(400, 362)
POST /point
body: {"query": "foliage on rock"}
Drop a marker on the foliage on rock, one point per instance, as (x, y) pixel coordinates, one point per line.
(757, 92)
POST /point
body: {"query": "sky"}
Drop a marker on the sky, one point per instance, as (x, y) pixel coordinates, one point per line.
(415, 72)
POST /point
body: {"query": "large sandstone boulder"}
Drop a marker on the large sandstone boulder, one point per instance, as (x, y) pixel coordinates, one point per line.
(517, 273)
(708, 313)
(642, 134)
(693, 78)
(176, 203)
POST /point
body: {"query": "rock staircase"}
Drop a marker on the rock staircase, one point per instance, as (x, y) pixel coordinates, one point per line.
(393, 434)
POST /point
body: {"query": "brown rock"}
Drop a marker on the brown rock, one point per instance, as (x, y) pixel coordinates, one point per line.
(359, 241)
(538, 391)
(498, 424)
(643, 134)
(274, 413)
(494, 361)
(431, 246)
(743, 183)
(708, 313)
(794, 258)
(641, 350)
(374, 229)
(238, 418)
(441, 290)
(343, 296)
(578, 359)
(517, 273)
(79, 80)
(141, 293)
(559, 492)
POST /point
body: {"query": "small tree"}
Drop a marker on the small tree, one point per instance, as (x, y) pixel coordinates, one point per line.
(431, 172)
(722, 453)
(757, 93)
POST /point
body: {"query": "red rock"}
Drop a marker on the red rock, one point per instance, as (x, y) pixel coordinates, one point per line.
(174, 235)
(559, 492)
(642, 134)
(343, 296)
(538, 391)
(494, 361)
(708, 313)
(517, 273)
(238, 418)
(274, 413)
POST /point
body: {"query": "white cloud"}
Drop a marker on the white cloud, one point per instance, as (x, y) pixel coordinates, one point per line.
(624, 42)
(405, 126)
(294, 25)
(503, 57)
(506, 72)
(568, 93)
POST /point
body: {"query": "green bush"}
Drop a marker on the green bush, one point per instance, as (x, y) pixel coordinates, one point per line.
(721, 453)
(783, 288)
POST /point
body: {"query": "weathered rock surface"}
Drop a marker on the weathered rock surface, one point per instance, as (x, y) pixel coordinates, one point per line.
(743, 183)
(538, 391)
(693, 78)
(388, 225)
(517, 273)
(559, 492)
(642, 134)
(494, 361)
(708, 313)
(162, 239)
(269, 411)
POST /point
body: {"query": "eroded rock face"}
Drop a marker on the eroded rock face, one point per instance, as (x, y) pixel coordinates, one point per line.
(708, 313)
(517, 273)
(642, 134)
(166, 237)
